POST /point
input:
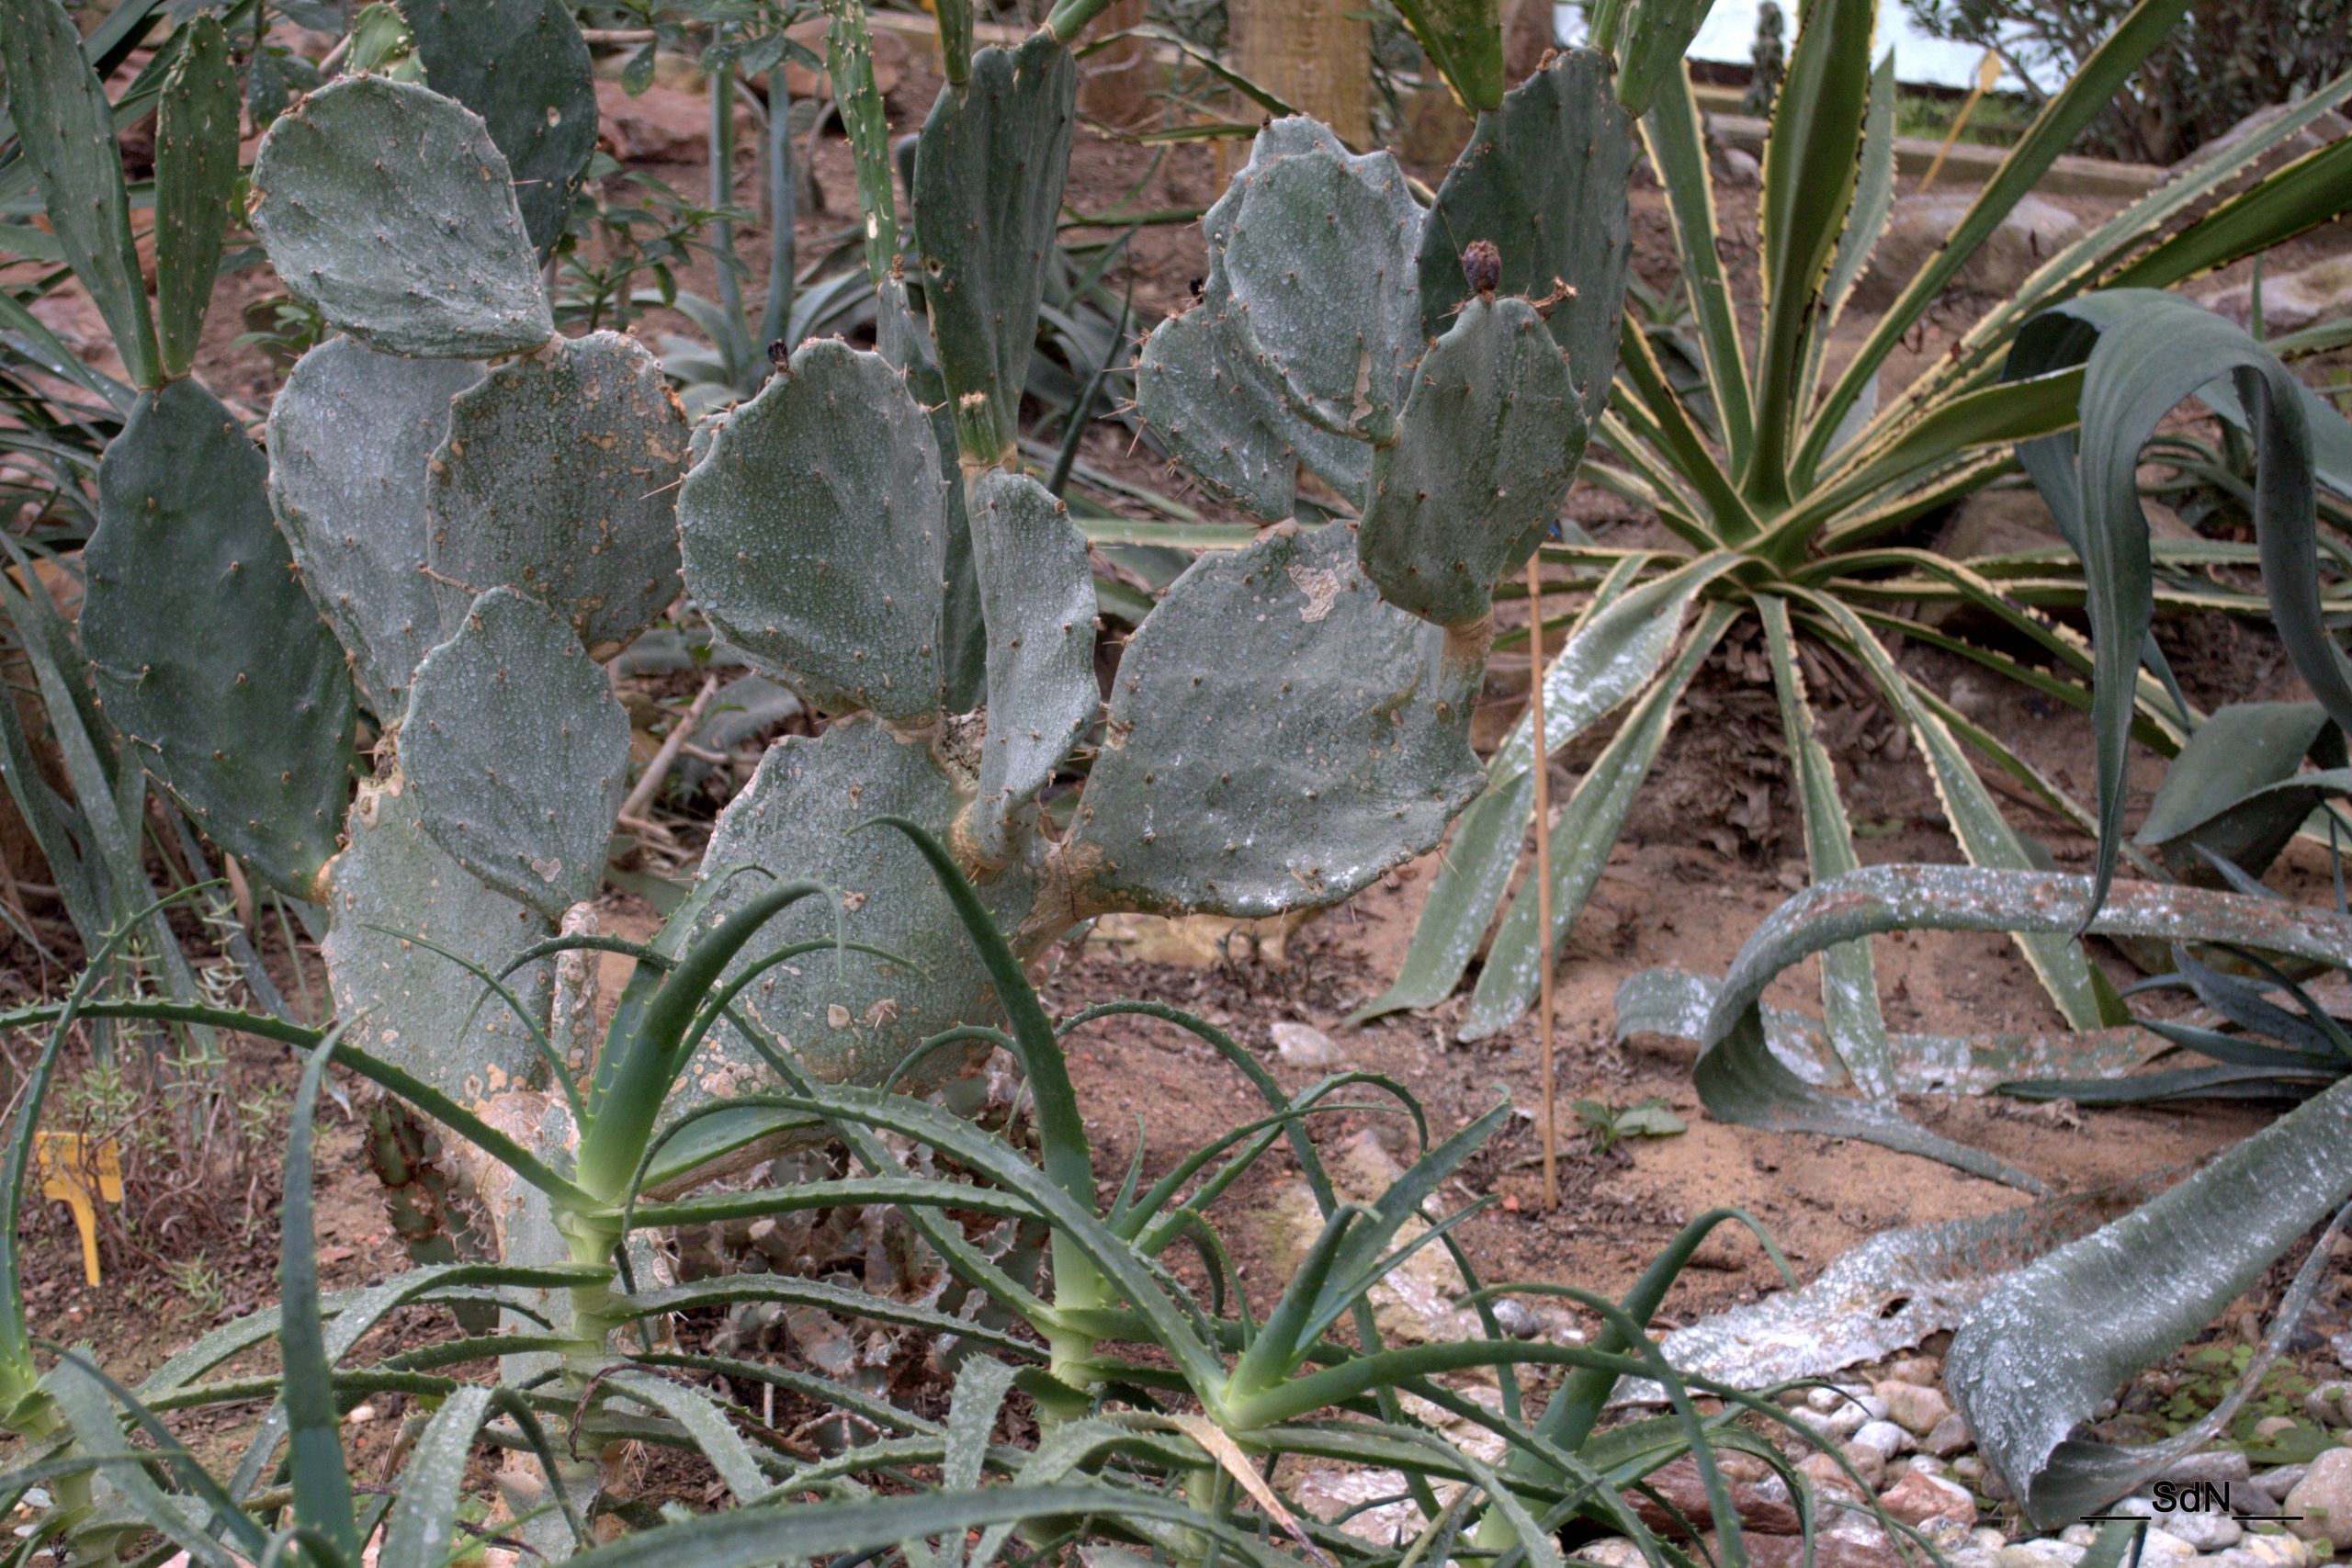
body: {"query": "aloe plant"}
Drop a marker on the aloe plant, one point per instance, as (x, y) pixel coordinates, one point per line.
(1104, 1350)
(1781, 476)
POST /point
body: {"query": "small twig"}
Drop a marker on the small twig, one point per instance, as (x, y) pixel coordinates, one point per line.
(616, 37)
(658, 770)
(1543, 765)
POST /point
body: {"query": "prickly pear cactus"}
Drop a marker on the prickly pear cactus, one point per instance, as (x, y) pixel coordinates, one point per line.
(1289, 722)
(207, 654)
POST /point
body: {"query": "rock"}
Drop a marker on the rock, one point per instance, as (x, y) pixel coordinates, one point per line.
(1610, 1551)
(2034, 230)
(2079, 1535)
(2290, 302)
(2210, 1531)
(1951, 1434)
(1949, 1536)
(2270, 1427)
(2340, 1344)
(1883, 1438)
(1738, 168)
(1927, 1371)
(1303, 1045)
(2160, 1547)
(1842, 1541)
(661, 125)
(2038, 1554)
(1919, 1497)
(1829, 1477)
(1912, 1407)
(2330, 1404)
(2278, 1481)
(2323, 1498)
(1869, 1464)
(1759, 1498)
(1515, 1319)
(2277, 1550)
(1829, 1398)
(2248, 1501)
(1197, 941)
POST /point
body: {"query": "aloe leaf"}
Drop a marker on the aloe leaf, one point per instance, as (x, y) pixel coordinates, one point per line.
(707, 1424)
(2235, 790)
(1670, 1001)
(1810, 169)
(1740, 1079)
(2087, 94)
(1888, 1294)
(754, 1537)
(982, 1383)
(65, 127)
(1985, 835)
(422, 1524)
(1464, 39)
(322, 1475)
(2089, 1315)
(1582, 838)
(2143, 352)
(1865, 223)
(1850, 1004)
(1678, 151)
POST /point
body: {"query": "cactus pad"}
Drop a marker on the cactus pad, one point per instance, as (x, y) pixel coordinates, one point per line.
(1488, 443)
(1544, 179)
(389, 209)
(815, 533)
(1277, 738)
(1038, 589)
(852, 1017)
(523, 66)
(350, 438)
(560, 478)
(406, 1003)
(196, 182)
(208, 653)
(1320, 264)
(1215, 416)
(517, 752)
(987, 197)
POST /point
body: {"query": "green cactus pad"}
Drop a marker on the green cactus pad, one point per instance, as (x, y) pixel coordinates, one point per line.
(394, 888)
(1039, 592)
(523, 66)
(852, 1017)
(196, 182)
(208, 653)
(1488, 444)
(963, 636)
(389, 209)
(1544, 179)
(1277, 738)
(560, 478)
(65, 130)
(987, 197)
(1319, 262)
(815, 534)
(351, 436)
(1215, 417)
(517, 752)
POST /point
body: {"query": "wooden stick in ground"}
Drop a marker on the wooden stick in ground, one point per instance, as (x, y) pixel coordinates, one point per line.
(659, 769)
(1543, 765)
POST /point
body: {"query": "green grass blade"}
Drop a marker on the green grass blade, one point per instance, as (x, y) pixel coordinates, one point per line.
(196, 182)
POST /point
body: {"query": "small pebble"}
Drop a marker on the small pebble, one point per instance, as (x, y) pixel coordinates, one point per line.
(2330, 1404)
(2202, 1531)
(2038, 1554)
(1303, 1045)
(1950, 1435)
(1513, 1317)
(2162, 1549)
(1883, 1438)
(2278, 1482)
(1912, 1407)
(1871, 1465)
(2341, 1344)
(2271, 1428)
(2213, 1464)
(1919, 1497)
(1925, 1370)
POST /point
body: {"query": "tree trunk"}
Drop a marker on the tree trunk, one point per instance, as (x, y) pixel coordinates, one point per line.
(1116, 88)
(1316, 55)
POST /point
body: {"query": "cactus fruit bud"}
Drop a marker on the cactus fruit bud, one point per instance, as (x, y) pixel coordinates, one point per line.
(1482, 267)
